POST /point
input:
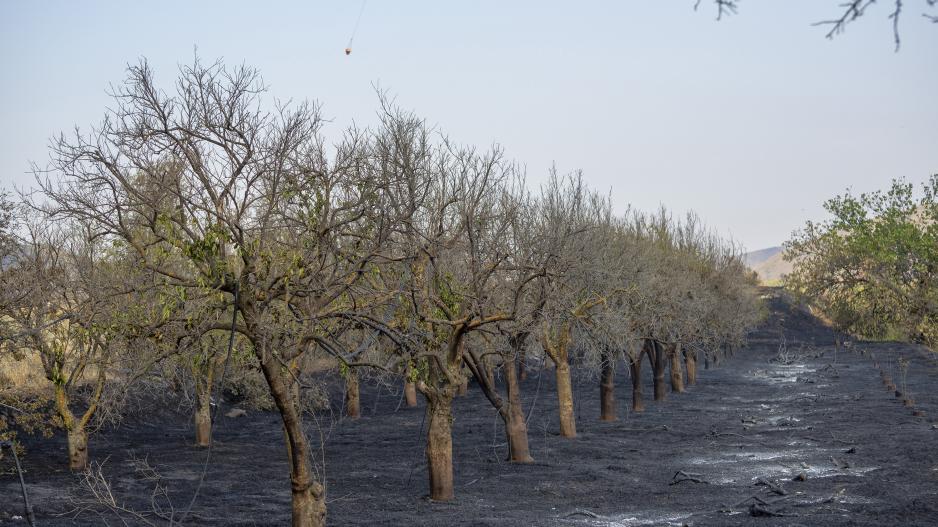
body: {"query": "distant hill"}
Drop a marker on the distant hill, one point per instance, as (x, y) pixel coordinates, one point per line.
(757, 257)
(769, 264)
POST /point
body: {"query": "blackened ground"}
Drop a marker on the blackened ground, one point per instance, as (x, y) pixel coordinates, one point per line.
(865, 458)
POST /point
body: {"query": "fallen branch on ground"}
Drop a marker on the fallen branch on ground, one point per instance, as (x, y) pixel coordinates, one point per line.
(759, 510)
(834, 439)
(680, 476)
(774, 487)
(583, 512)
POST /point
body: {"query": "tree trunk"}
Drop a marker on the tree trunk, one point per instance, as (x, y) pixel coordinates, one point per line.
(656, 356)
(512, 413)
(308, 496)
(352, 397)
(690, 361)
(635, 370)
(203, 378)
(556, 347)
(410, 394)
(677, 372)
(515, 427)
(489, 372)
(565, 399)
(77, 434)
(440, 446)
(607, 391)
(78, 449)
(203, 417)
(459, 348)
(522, 369)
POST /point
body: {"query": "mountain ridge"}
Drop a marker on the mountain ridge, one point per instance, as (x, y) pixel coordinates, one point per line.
(769, 264)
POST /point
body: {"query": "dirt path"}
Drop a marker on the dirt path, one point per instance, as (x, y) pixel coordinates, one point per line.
(824, 414)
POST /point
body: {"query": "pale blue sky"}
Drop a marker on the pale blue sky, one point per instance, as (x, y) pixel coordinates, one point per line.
(752, 121)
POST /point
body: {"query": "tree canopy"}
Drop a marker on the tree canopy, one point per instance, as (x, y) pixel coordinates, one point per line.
(872, 267)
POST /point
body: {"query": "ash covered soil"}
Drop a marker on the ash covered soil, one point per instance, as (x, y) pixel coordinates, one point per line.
(740, 436)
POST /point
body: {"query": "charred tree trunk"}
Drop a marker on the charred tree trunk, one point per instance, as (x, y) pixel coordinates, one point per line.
(511, 413)
(690, 362)
(677, 371)
(657, 358)
(515, 426)
(308, 497)
(635, 370)
(353, 407)
(607, 390)
(440, 446)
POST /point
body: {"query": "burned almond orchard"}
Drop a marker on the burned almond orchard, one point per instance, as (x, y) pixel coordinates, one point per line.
(217, 309)
(195, 246)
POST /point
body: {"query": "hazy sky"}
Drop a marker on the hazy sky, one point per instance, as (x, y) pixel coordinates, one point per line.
(752, 121)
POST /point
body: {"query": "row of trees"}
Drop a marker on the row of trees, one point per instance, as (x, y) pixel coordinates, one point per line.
(394, 254)
(872, 267)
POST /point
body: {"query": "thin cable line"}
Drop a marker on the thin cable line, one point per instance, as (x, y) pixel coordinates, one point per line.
(19, 470)
(357, 21)
(211, 428)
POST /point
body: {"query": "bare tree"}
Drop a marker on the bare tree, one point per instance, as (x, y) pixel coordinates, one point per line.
(393, 254)
(21, 409)
(217, 195)
(453, 255)
(71, 317)
(851, 10)
(578, 277)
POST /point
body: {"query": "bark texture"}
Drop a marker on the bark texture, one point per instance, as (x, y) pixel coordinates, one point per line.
(607, 388)
(511, 412)
(440, 447)
(410, 394)
(677, 369)
(203, 376)
(77, 449)
(565, 400)
(308, 497)
(635, 370)
(690, 362)
(77, 427)
(522, 366)
(203, 419)
(515, 426)
(556, 345)
(658, 359)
